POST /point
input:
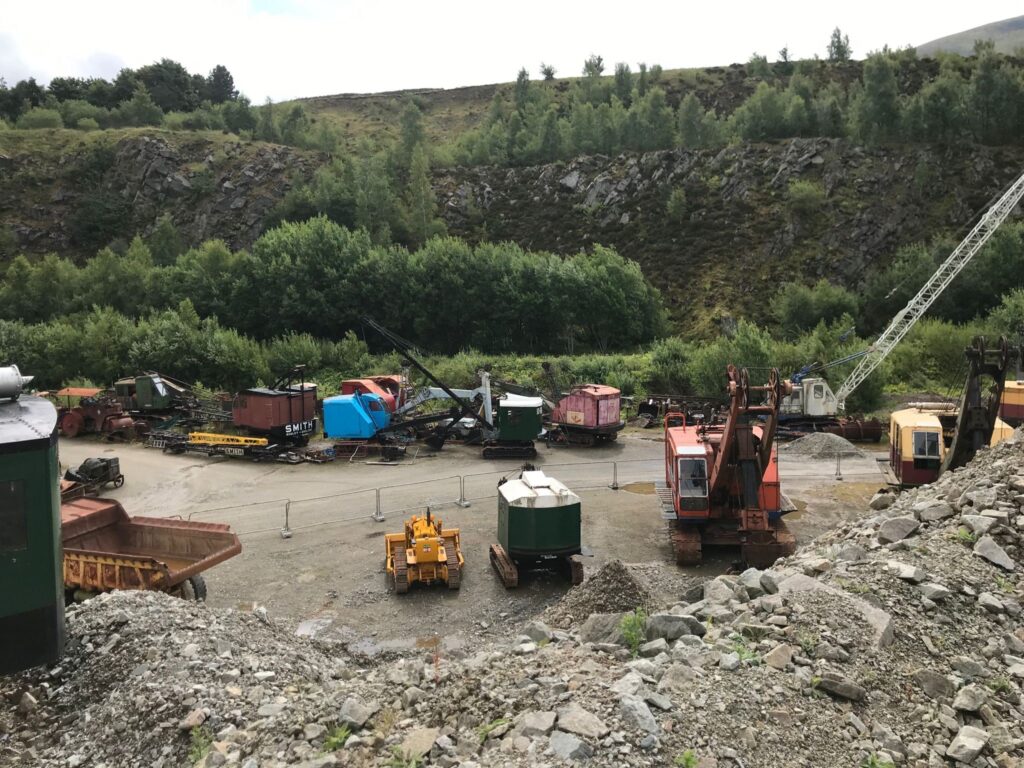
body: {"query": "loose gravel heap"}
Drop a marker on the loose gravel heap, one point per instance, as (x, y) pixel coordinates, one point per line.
(614, 588)
(821, 445)
(895, 639)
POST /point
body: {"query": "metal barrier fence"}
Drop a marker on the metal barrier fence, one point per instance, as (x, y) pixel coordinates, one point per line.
(463, 490)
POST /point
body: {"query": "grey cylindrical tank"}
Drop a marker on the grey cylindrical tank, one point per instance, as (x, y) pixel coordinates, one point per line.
(11, 382)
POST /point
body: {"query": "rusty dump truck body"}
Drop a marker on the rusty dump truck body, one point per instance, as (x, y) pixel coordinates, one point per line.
(105, 549)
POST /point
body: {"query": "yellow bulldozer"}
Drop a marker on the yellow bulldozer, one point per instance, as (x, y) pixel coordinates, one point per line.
(425, 552)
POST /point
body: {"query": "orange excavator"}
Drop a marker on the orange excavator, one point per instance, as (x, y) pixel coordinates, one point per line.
(721, 483)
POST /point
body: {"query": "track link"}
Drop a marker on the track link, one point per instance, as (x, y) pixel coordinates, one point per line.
(504, 565)
(401, 571)
(686, 543)
(452, 563)
(576, 570)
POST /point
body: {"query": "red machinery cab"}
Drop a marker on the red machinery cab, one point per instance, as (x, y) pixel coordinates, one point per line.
(722, 481)
(391, 389)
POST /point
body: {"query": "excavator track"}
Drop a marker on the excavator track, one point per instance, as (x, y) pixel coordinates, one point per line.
(575, 570)
(452, 562)
(763, 548)
(510, 451)
(504, 565)
(686, 544)
(401, 571)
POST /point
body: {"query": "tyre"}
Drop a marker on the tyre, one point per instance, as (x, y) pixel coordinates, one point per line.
(193, 588)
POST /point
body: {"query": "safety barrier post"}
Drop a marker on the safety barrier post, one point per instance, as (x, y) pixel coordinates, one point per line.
(462, 492)
(615, 476)
(839, 469)
(378, 515)
(286, 532)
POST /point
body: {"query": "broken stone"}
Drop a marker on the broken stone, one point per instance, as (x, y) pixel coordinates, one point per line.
(968, 744)
(635, 712)
(935, 592)
(780, 656)
(568, 747)
(933, 684)
(897, 529)
(537, 723)
(575, 719)
(987, 548)
(837, 685)
(355, 712)
(970, 698)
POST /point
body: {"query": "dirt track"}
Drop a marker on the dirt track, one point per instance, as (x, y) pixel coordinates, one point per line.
(331, 571)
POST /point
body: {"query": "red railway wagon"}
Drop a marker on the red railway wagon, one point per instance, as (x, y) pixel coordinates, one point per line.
(589, 413)
(285, 413)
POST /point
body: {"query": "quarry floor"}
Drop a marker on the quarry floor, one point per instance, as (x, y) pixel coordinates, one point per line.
(328, 577)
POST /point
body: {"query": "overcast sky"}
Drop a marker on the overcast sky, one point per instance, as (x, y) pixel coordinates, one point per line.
(290, 48)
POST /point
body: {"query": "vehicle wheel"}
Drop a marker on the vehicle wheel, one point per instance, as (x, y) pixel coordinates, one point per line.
(194, 588)
(71, 424)
(119, 481)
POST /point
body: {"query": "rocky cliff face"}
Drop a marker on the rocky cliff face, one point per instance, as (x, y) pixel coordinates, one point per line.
(211, 187)
(736, 239)
(738, 236)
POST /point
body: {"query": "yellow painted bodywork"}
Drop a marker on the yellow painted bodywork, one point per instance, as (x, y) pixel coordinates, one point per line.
(212, 438)
(427, 544)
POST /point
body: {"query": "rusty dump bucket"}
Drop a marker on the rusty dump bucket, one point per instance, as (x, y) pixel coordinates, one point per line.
(105, 549)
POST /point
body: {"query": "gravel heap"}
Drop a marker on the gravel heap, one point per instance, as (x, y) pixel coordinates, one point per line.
(821, 445)
(895, 639)
(615, 588)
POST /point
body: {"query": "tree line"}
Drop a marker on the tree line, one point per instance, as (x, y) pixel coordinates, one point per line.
(135, 97)
(318, 277)
(980, 99)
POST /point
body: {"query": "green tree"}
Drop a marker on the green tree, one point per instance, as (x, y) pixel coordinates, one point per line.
(758, 66)
(650, 122)
(165, 243)
(38, 117)
(839, 46)
(420, 202)
(67, 88)
(624, 83)
(547, 71)
(521, 95)
(139, 110)
(220, 85)
(266, 123)
(593, 66)
(797, 308)
(697, 127)
(995, 98)
(170, 85)
(411, 134)
(876, 110)
(239, 115)
(295, 126)
(642, 80)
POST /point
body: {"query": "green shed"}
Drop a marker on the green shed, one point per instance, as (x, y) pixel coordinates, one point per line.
(520, 419)
(31, 557)
(538, 516)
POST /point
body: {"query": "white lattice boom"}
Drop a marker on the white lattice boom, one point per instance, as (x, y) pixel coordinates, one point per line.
(917, 306)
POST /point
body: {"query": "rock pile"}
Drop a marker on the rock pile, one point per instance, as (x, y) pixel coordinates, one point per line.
(894, 640)
(615, 588)
(822, 445)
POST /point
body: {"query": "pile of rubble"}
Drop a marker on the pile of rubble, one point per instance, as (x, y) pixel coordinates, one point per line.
(895, 639)
(822, 445)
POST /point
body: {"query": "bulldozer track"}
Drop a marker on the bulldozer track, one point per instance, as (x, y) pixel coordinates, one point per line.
(576, 570)
(454, 571)
(401, 571)
(504, 566)
(686, 544)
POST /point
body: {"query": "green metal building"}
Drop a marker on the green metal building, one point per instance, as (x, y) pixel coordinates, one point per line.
(31, 558)
(538, 517)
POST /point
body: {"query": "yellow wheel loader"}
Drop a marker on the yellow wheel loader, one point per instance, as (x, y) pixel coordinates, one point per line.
(425, 552)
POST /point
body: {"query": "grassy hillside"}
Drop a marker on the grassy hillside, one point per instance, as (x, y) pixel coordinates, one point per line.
(1008, 36)
(447, 113)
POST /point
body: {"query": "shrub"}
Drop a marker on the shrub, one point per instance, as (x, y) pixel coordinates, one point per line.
(676, 207)
(39, 117)
(804, 197)
(634, 629)
(87, 124)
